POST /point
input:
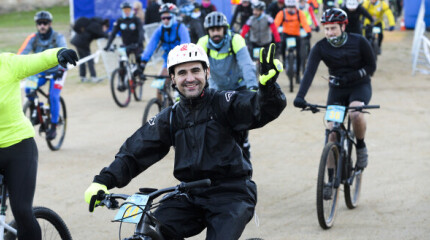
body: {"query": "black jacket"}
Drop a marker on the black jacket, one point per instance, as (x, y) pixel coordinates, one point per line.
(354, 19)
(152, 14)
(345, 61)
(87, 29)
(131, 31)
(203, 132)
(245, 13)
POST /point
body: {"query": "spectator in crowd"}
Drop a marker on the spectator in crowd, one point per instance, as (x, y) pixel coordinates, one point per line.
(88, 29)
(275, 7)
(152, 15)
(138, 11)
(207, 7)
(244, 10)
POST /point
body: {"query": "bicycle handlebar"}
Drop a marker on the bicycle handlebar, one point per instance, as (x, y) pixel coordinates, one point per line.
(314, 108)
(109, 200)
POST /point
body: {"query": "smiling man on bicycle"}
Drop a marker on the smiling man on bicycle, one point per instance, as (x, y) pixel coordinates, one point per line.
(18, 150)
(202, 128)
(350, 63)
(47, 38)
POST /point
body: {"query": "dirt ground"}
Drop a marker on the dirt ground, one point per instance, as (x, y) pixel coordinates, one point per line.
(395, 194)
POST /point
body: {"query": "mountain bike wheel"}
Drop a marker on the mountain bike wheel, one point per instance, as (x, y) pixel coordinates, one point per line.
(152, 108)
(55, 144)
(51, 225)
(327, 203)
(120, 89)
(375, 48)
(352, 188)
(290, 70)
(27, 112)
(138, 89)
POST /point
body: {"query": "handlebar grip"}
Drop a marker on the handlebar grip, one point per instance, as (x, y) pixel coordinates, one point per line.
(92, 203)
(372, 106)
(100, 196)
(195, 184)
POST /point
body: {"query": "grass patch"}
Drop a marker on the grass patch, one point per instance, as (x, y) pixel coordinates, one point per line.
(16, 26)
(61, 14)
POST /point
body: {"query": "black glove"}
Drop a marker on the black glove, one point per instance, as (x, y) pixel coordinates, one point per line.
(65, 56)
(269, 67)
(299, 102)
(338, 81)
(59, 74)
(106, 48)
(317, 28)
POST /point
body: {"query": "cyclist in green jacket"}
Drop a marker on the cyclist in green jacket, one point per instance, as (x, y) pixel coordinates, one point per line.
(18, 150)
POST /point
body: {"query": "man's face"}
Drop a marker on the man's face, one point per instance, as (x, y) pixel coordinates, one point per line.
(165, 18)
(333, 30)
(257, 12)
(216, 34)
(126, 11)
(291, 10)
(373, 1)
(43, 26)
(190, 78)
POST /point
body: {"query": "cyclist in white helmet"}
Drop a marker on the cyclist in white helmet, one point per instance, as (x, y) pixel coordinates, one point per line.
(201, 126)
(355, 12)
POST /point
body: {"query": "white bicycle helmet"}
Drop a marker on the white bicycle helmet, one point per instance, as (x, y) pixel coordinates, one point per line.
(351, 4)
(291, 3)
(187, 52)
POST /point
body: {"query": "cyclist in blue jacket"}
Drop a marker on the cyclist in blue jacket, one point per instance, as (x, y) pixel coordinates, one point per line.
(170, 34)
(47, 38)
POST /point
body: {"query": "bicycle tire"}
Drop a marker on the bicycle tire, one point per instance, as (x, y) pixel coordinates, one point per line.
(137, 89)
(26, 110)
(290, 70)
(51, 225)
(326, 209)
(352, 190)
(56, 143)
(121, 92)
(152, 108)
(375, 47)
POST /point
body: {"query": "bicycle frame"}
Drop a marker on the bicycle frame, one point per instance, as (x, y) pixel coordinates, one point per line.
(3, 224)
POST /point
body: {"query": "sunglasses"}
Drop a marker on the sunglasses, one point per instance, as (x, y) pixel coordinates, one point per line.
(43, 23)
(166, 18)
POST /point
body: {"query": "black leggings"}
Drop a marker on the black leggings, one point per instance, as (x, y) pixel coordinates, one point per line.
(19, 163)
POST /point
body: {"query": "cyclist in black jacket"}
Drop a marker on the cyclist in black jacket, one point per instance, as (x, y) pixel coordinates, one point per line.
(355, 10)
(350, 63)
(131, 32)
(201, 128)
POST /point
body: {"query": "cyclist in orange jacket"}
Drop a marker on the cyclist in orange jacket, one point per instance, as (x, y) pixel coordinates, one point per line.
(294, 24)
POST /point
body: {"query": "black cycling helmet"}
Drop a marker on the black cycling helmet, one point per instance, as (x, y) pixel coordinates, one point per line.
(259, 5)
(334, 15)
(43, 15)
(215, 19)
(168, 8)
(125, 5)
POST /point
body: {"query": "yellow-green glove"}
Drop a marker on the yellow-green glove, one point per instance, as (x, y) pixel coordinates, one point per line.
(93, 189)
(270, 67)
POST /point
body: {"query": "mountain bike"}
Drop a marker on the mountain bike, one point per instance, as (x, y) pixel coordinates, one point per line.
(125, 79)
(290, 60)
(51, 224)
(154, 105)
(39, 112)
(337, 164)
(371, 33)
(137, 208)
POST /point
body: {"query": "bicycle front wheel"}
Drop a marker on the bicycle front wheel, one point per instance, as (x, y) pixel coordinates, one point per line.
(352, 187)
(120, 88)
(327, 194)
(290, 70)
(137, 89)
(51, 225)
(152, 108)
(55, 144)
